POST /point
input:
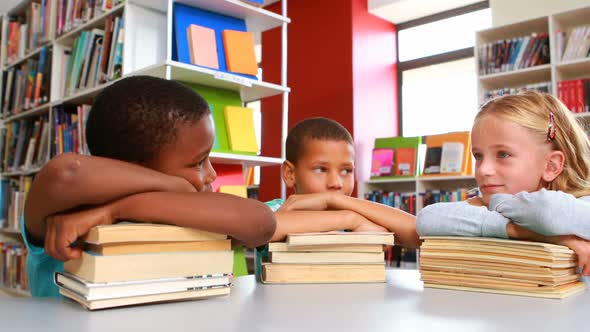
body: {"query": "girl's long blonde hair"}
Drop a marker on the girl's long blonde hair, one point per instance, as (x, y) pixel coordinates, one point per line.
(531, 110)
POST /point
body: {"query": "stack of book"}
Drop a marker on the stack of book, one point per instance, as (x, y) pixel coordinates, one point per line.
(331, 257)
(499, 266)
(127, 264)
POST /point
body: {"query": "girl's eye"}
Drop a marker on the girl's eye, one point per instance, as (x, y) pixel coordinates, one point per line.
(346, 171)
(200, 163)
(477, 156)
(503, 155)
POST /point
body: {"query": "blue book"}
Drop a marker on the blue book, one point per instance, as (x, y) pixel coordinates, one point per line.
(185, 15)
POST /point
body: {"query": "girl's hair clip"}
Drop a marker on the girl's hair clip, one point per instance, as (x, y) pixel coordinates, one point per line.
(552, 129)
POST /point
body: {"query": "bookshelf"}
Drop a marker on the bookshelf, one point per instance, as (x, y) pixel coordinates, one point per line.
(417, 185)
(553, 72)
(146, 48)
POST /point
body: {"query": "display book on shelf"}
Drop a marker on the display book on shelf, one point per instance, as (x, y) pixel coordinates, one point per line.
(548, 53)
(82, 53)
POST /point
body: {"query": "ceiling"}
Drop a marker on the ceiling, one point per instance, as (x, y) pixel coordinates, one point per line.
(400, 11)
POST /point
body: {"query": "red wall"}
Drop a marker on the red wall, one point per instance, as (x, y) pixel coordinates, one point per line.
(374, 83)
(329, 43)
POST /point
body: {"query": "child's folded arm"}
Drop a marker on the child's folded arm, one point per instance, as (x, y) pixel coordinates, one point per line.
(246, 220)
(460, 219)
(547, 212)
(70, 180)
(300, 221)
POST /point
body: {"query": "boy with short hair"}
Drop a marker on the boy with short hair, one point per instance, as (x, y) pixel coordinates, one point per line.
(320, 169)
(150, 141)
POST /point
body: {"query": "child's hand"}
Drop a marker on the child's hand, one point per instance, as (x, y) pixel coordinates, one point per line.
(370, 227)
(363, 224)
(580, 246)
(310, 202)
(64, 229)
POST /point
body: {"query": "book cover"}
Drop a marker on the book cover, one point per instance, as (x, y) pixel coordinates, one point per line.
(322, 273)
(433, 158)
(240, 129)
(382, 162)
(202, 46)
(451, 160)
(239, 52)
(397, 143)
(336, 237)
(145, 232)
(405, 161)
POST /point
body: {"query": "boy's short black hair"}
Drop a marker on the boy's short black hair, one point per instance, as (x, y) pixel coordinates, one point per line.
(314, 128)
(134, 117)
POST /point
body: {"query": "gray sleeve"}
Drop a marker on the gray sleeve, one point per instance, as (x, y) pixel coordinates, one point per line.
(460, 219)
(546, 212)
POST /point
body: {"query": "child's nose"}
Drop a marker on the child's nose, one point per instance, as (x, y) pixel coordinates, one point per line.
(486, 168)
(334, 182)
(211, 174)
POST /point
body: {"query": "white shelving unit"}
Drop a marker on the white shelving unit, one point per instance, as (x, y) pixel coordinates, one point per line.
(147, 50)
(554, 72)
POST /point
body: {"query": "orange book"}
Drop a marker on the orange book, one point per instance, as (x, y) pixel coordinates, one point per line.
(202, 46)
(405, 161)
(239, 52)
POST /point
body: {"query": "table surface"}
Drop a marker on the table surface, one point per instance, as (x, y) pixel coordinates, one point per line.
(400, 304)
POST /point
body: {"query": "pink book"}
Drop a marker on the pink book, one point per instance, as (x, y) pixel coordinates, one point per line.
(382, 163)
(202, 46)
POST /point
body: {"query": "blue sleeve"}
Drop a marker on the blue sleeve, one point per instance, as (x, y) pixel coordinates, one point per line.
(546, 212)
(40, 268)
(275, 204)
(460, 219)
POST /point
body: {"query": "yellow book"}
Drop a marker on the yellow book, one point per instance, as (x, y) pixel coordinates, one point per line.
(239, 123)
(238, 190)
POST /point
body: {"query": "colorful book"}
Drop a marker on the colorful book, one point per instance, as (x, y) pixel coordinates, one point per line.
(185, 15)
(382, 162)
(405, 161)
(240, 129)
(404, 147)
(202, 46)
(240, 56)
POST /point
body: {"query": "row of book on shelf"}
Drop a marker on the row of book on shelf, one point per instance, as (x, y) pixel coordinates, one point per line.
(408, 202)
(13, 267)
(27, 85)
(24, 144)
(575, 94)
(448, 154)
(74, 13)
(29, 31)
(95, 57)
(544, 87)
(512, 54)
(573, 43)
(13, 193)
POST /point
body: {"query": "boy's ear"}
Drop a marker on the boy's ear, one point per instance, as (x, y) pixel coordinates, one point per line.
(288, 173)
(553, 166)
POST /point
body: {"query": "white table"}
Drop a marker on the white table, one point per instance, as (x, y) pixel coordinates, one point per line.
(401, 304)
